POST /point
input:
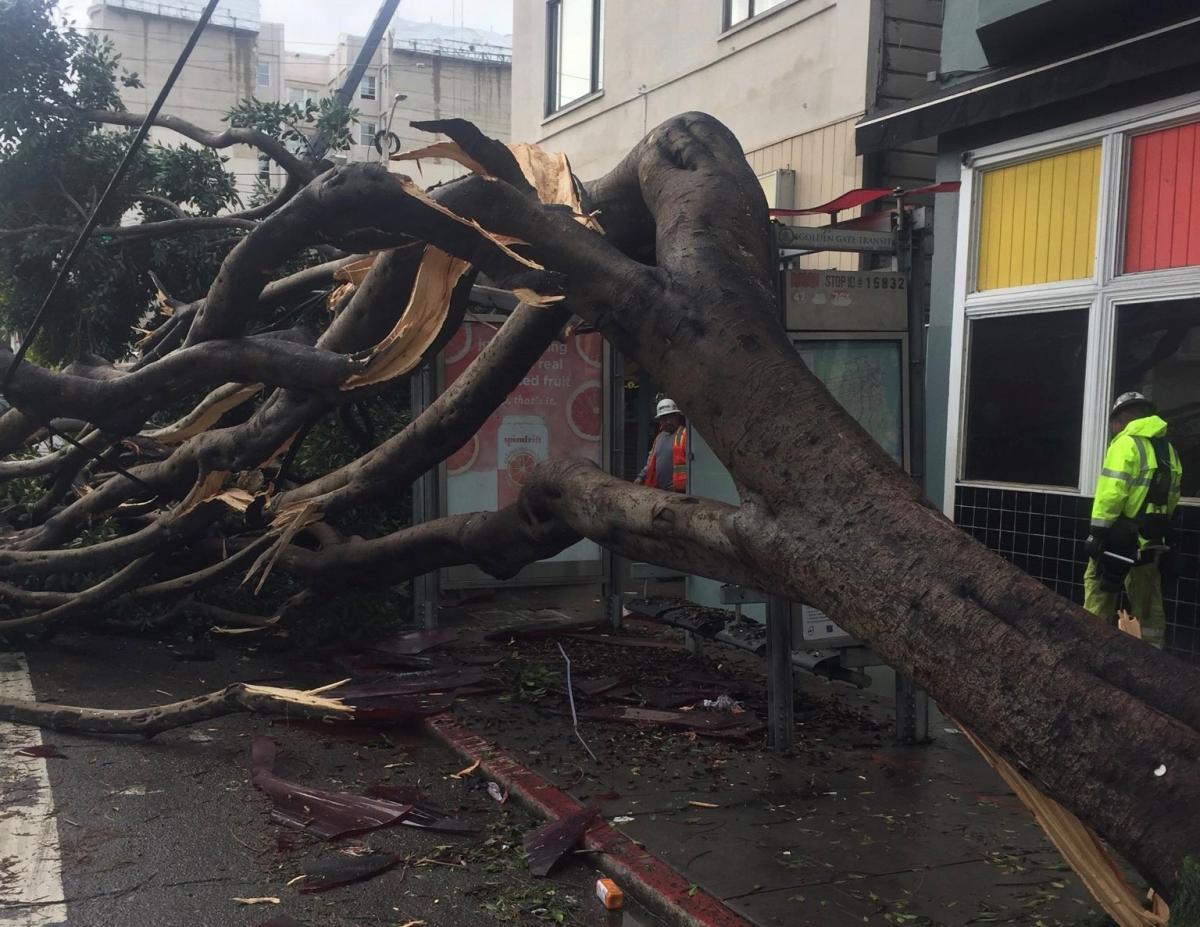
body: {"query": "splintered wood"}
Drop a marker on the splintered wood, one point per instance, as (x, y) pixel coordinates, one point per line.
(1081, 848)
(402, 349)
(206, 414)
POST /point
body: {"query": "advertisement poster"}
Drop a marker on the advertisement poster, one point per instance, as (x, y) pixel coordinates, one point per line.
(556, 411)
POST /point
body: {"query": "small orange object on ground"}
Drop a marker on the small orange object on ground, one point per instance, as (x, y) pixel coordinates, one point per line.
(610, 894)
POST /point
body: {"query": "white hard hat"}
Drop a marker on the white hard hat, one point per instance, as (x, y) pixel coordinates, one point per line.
(1129, 399)
(666, 407)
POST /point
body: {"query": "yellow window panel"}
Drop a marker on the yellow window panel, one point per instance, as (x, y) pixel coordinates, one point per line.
(1037, 220)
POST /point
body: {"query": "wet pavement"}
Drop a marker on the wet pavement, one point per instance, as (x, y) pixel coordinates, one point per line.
(849, 830)
(169, 832)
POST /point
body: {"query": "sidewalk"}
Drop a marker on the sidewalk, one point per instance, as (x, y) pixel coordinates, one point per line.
(850, 830)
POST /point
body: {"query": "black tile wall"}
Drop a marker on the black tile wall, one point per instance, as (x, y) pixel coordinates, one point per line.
(1043, 534)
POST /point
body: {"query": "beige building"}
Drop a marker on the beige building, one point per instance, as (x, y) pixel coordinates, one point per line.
(789, 77)
(420, 71)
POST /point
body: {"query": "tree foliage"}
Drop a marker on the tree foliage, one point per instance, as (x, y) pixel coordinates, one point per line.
(55, 162)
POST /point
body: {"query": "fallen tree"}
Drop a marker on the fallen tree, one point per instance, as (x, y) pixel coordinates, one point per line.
(669, 257)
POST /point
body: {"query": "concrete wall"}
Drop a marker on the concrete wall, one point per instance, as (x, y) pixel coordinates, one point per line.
(435, 87)
(220, 72)
(825, 166)
(796, 69)
(223, 69)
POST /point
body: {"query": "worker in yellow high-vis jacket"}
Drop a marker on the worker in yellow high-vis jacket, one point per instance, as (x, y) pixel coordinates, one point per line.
(1136, 494)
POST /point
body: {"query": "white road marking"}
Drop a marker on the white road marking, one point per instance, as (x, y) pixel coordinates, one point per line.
(31, 889)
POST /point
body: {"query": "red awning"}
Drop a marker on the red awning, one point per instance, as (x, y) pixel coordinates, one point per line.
(864, 195)
(849, 200)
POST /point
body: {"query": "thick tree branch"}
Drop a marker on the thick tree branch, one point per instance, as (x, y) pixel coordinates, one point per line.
(446, 424)
(121, 405)
(149, 722)
(225, 139)
(362, 206)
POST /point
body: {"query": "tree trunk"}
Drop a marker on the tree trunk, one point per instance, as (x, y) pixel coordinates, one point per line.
(683, 282)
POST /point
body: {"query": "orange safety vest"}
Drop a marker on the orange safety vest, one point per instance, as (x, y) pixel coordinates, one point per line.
(678, 463)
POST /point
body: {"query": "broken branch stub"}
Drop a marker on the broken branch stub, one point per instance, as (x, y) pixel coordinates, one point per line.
(149, 722)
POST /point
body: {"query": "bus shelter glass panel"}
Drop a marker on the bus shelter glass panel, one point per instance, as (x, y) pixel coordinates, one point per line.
(866, 377)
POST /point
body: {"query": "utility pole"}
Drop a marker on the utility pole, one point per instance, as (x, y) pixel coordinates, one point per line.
(387, 9)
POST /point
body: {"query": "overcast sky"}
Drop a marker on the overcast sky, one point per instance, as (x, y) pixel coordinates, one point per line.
(314, 24)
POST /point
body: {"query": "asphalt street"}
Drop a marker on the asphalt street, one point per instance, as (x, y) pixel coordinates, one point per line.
(124, 832)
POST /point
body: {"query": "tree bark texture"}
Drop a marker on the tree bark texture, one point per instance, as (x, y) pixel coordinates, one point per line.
(682, 281)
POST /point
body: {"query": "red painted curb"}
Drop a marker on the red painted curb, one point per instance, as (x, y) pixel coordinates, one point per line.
(655, 884)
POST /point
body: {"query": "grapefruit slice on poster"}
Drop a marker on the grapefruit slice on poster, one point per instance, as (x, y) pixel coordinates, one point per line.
(590, 348)
(584, 411)
(518, 466)
(462, 460)
(460, 344)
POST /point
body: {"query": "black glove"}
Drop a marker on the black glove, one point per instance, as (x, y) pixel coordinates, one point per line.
(1094, 545)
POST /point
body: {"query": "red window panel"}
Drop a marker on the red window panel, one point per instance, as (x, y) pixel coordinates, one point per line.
(1162, 225)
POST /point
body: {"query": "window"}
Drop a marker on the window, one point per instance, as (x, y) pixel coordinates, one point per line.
(1162, 208)
(366, 89)
(1037, 220)
(301, 96)
(737, 11)
(1157, 353)
(574, 47)
(1024, 402)
(1083, 283)
(366, 133)
(264, 168)
(263, 74)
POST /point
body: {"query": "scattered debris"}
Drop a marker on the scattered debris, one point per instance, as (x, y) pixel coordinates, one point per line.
(336, 871)
(722, 703)
(413, 684)
(483, 658)
(1161, 770)
(590, 688)
(623, 819)
(379, 661)
(265, 900)
(419, 641)
(423, 814)
(46, 751)
(613, 641)
(708, 723)
(468, 598)
(463, 773)
(499, 794)
(543, 629)
(571, 700)
(547, 845)
(610, 894)
(327, 814)
(703, 804)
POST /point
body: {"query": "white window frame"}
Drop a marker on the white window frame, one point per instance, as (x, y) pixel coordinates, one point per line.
(362, 87)
(1105, 290)
(362, 125)
(258, 73)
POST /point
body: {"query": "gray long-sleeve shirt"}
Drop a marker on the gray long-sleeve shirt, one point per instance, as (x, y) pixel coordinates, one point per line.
(663, 451)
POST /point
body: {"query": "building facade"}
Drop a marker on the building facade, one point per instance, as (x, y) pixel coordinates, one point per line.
(1068, 273)
(420, 71)
(789, 77)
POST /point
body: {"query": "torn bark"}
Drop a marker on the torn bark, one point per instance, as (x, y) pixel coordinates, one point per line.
(683, 283)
